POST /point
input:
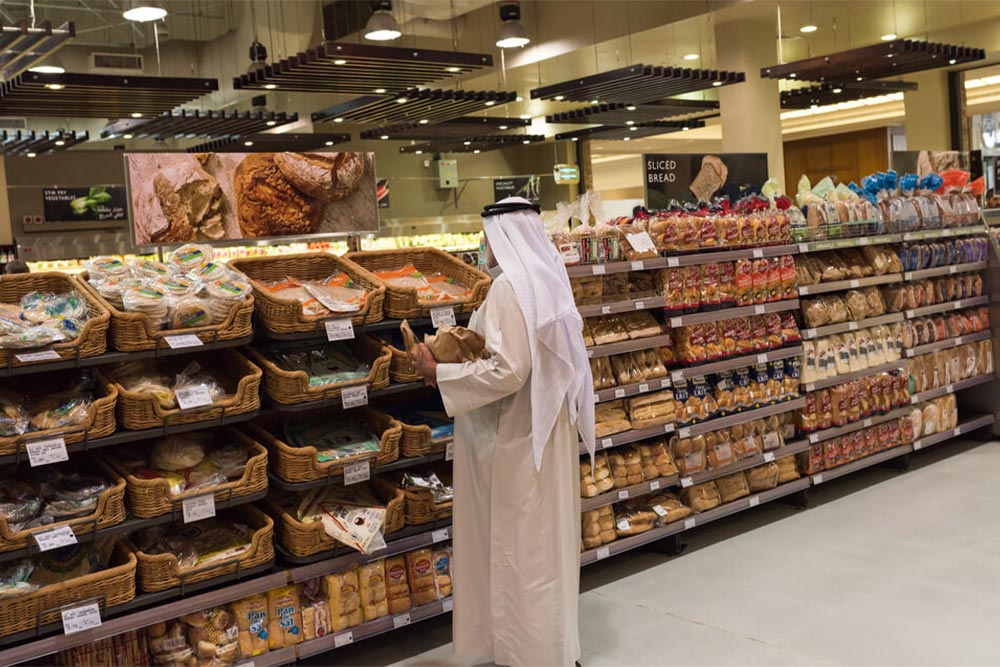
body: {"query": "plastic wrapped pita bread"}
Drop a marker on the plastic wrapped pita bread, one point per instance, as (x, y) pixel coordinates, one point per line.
(450, 345)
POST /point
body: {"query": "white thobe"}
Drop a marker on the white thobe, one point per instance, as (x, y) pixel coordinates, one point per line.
(516, 528)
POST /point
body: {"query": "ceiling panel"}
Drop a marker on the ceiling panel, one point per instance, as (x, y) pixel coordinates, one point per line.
(422, 106)
(622, 113)
(25, 142)
(637, 83)
(457, 128)
(628, 133)
(288, 141)
(195, 124)
(473, 144)
(831, 93)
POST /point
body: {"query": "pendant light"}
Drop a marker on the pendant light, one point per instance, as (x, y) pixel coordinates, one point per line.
(143, 11)
(382, 26)
(511, 34)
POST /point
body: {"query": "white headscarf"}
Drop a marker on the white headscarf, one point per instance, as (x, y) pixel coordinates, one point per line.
(560, 368)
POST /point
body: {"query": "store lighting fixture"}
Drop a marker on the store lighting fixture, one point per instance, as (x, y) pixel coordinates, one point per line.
(271, 123)
(627, 139)
(490, 103)
(269, 141)
(419, 152)
(382, 26)
(519, 99)
(636, 84)
(691, 56)
(384, 137)
(633, 128)
(328, 143)
(617, 113)
(952, 61)
(401, 100)
(558, 98)
(630, 107)
(842, 106)
(270, 86)
(888, 37)
(525, 116)
(340, 61)
(526, 141)
(466, 143)
(54, 86)
(379, 91)
(423, 121)
(630, 122)
(684, 129)
(511, 34)
(808, 28)
(136, 114)
(143, 11)
(60, 142)
(811, 97)
(502, 127)
(248, 143)
(199, 123)
(30, 155)
(338, 120)
(453, 69)
(127, 136)
(716, 83)
(477, 151)
(575, 139)
(837, 91)
(47, 69)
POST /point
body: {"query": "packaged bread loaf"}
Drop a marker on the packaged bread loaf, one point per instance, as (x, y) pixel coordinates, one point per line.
(397, 588)
(442, 571)
(732, 487)
(762, 478)
(252, 625)
(668, 506)
(284, 617)
(371, 580)
(420, 571)
(632, 522)
(701, 497)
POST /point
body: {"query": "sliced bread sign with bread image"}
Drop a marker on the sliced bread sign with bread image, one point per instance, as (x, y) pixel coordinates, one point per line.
(182, 197)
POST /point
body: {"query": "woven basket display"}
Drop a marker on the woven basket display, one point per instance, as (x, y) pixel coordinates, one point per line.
(420, 506)
(402, 302)
(148, 498)
(307, 539)
(100, 421)
(141, 410)
(290, 387)
(92, 340)
(114, 585)
(134, 331)
(300, 464)
(285, 316)
(160, 572)
(400, 368)
(110, 511)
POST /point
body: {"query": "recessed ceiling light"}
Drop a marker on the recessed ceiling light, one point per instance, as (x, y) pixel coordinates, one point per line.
(595, 101)
(466, 143)
(54, 86)
(248, 143)
(47, 69)
(813, 106)
(888, 37)
(136, 114)
(271, 123)
(559, 98)
(270, 86)
(719, 83)
(380, 90)
(454, 69)
(31, 154)
(144, 13)
(490, 103)
(60, 142)
(339, 61)
(502, 127)
(329, 143)
(860, 78)
(628, 139)
(790, 76)
(630, 122)
(889, 55)
(952, 61)
(525, 116)
(401, 100)
(691, 56)
(630, 107)
(384, 137)
(633, 128)
(519, 99)
(808, 28)
(126, 136)
(338, 120)
(526, 141)
(424, 121)
(477, 151)
(419, 152)
(685, 128)
(574, 139)
(837, 91)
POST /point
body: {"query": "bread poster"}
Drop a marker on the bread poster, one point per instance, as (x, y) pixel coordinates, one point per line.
(694, 177)
(180, 197)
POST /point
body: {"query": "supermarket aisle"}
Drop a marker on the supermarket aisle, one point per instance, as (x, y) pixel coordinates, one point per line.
(884, 569)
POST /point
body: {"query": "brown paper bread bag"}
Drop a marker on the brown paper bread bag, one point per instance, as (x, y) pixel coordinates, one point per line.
(450, 345)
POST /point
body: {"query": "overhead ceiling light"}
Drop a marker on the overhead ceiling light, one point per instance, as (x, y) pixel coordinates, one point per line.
(466, 143)
(627, 139)
(526, 141)
(595, 101)
(691, 56)
(502, 127)
(248, 143)
(489, 103)
(270, 86)
(401, 100)
(384, 137)
(60, 142)
(558, 98)
(47, 69)
(630, 122)
(329, 143)
(719, 83)
(575, 139)
(808, 28)
(511, 34)
(136, 114)
(525, 116)
(271, 123)
(633, 128)
(419, 152)
(453, 69)
(952, 61)
(54, 86)
(338, 120)
(339, 61)
(126, 136)
(143, 11)
(477, 151)
(381, 26)
(424, 121)
(630, 107)
(888, 37)
(790, 76)
(380, 90)
(519, 99)
(685, 128)
(31, 155)
(837, 91)
(860, 78)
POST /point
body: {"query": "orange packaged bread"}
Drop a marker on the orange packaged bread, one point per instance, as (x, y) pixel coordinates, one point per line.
(397, 588)
(420, 571)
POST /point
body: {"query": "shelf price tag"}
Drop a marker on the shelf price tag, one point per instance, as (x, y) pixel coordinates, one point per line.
(758, 253)
(47, 540)
(357, 472)
(818, 479)
(603, 553)
(449, 451)
(597, 269)
(638, 266)
(852, 326)
(659, 510)
(447, 604)
(401, 620)
(443, 317)
(956, 432)
(339, 329)
(182, 341)
(606, 442)
(686, 482)
(690, 523)
(439, 535)
(196, 396)
(44, 452)
(754, 501)
(855, 283)
(654, 485)
(917, 445)
(605, 310)
(198, 508)
(45, 355)
(623, 494)
(643, 388)
(640, 305)
(768, 457)
(343, 639)
(84, 617)
(354, 397)
(684, 432)
(619, 393)
(672, 262)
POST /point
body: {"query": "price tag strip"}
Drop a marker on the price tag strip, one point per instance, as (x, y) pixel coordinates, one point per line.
(45, 355)
(84, 617)
(198, 508)
(354, 397)
(196, 396)
(48, 540)
(443, 317)
(356, 473)
(44, 452)
(339, 329)
(183, 341)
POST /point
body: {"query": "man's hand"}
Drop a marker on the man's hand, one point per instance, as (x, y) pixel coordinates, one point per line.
(425, 364)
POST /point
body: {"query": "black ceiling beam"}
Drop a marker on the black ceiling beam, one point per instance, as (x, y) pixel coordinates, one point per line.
(456, 128)
(832, 93)
(414, 105)
(473, 144)
(637, 84)
(626, 132)
(261, 143)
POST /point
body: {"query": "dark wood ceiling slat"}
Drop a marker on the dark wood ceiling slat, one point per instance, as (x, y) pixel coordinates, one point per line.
(200, 124)
(272, 142)
(421, 104)
(476, 143)
(637, 84)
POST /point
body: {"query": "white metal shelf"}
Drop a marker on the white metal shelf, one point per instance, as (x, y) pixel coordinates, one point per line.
(853, 283)
(951, 388)
(735, 362)
(925, 234)
(841, 327)
(943, 270)
(635, 345)
(626, 306)
(948, 343)
(853, 242)
(855, 375)
(627, 437)
(633, 491)
(965, 427)
(730, 313)
(946, 306)
(634, 389)
(717, 423)
(874, 420)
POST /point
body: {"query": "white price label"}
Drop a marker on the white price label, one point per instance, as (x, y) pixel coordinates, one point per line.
(449, 451)
(762, 358)
(619, 393)
(917, 446)
(638, 266)
(686, 482)
(607, 442)
(676, 322)
(605, 310)
(247, 664)
(867, 422)
(653, 486)
(182, 341)
(771, 440)
(659, 510)
(623, 524)
(354, 397)
(47, 355)
(339, 329)
(956, 432)
(343, 639)
(196, 396)
(758, 310)
(668, 428)
(914, 399)
(198, 508)
(863, 241)
(952, 269)
(640, 305)
(623, 494)
(813, 437)
(803, 247)
(597, 269)
(758, 253)
(809, 333)
(401, 620)
(643, 388)
(684, 432)
(590, 353)
(641, 242)
(603, 553)
(443, 317)
(804, 290)
(768, 457)
(818, 479)
(956, 305)
(672, 262)
(950, 389)
(81, 618)
(47, 540)
(440, 535)
(754, 501)
(357, 472)
(855, 283)
(447, 604)
(910, 313)
(810, 387)
(44, 452)
(852, 326)
(689, 523)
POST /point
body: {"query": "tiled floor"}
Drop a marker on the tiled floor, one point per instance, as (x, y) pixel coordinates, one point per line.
(885, 568)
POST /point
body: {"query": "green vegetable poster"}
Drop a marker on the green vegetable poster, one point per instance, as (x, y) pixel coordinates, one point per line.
(98, 203)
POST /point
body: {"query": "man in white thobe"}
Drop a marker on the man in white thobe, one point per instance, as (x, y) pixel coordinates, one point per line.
(516, 466)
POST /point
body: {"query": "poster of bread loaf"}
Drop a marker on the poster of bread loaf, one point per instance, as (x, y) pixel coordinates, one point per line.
(694, 177)
(180, 197)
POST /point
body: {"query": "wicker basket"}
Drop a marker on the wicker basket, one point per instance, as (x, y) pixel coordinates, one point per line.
(112, 586)
(92, 340)
(100, 422)
(308, 539)
(110, 511)
(400, 368)
(285, 316)
(300, 464)
(420, 506)
(140, 410)
(134, 331)
(402, 302)
(148, 498)
(291, 387)
(160, 572)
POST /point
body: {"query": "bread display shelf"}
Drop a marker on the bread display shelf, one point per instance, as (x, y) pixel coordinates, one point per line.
(399, 464)
(338, 402)
(837, 431)
(944, 270)
(731, 313)
(626, 437)
(951, 388)
(790, 449)
(741, 417)
(924, 234)
(692, 259)
(948, 305)
(861, 464)
(629, 346)
(628, 543)
(854, 283)
(735, 362)
(113, 357)
(124, 436)
(319, 335)
(948, 343)
(830, 329)
(343, 551)
(853, 242)
(847, 377)
(367, 630)
(628, 306)
(633, 389)
(633, 491)
(968, 426)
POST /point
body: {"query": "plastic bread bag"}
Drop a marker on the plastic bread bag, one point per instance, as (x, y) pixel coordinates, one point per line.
(252, 624)
(106, 266)
(62, 409)
(633, 522)
(189, 313)
(732, 487)
(702, 497)
(190, 257)
(152, 269)
(14, 417)
(668, 507)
